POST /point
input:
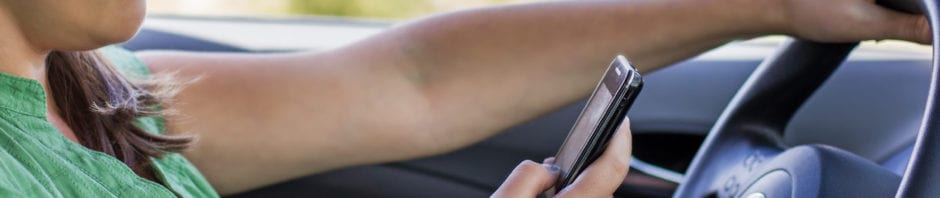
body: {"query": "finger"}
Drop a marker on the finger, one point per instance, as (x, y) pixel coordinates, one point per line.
(915, 28)
(528, 180)
(550, 160)
(897, 25)
(605, 175)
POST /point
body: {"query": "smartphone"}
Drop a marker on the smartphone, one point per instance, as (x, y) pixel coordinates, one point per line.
(600, 118)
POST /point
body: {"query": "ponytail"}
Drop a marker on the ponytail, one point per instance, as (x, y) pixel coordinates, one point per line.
(101, 106)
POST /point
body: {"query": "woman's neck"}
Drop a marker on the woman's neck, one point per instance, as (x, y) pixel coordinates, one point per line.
(19, 57)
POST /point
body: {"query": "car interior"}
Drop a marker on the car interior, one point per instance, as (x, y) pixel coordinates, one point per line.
(804, 119)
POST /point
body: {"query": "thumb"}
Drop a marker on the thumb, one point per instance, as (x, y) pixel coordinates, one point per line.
(529, 179)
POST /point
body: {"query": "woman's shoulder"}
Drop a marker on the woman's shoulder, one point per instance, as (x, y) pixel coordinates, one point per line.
(180, 175)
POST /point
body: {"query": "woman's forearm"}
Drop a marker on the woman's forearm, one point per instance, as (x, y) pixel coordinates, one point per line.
(487, 69)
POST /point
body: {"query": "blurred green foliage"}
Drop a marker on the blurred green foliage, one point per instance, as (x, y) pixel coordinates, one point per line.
(371, 8)
(361, 8)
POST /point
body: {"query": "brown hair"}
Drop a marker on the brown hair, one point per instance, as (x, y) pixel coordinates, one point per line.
(101, 106)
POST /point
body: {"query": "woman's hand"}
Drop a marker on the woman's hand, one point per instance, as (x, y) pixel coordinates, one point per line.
(600, 179)
(850, 20)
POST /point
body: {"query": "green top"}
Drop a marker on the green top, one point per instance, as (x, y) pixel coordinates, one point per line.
(36, 160)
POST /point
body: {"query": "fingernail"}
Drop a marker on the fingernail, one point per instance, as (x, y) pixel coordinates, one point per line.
(552, 168)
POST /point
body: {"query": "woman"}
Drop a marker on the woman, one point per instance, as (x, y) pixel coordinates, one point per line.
(75, 122)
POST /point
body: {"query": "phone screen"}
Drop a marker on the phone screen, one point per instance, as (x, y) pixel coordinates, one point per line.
(583, 128)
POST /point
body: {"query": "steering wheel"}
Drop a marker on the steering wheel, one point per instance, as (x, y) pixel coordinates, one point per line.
(744, 154)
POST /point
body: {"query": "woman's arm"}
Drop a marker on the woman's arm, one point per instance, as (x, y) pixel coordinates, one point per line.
(444, 82)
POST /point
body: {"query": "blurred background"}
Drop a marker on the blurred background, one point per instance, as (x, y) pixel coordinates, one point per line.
(371, 9)
(284, 25)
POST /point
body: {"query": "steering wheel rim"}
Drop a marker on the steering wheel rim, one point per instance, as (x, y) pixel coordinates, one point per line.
(749, 132)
